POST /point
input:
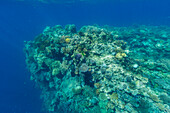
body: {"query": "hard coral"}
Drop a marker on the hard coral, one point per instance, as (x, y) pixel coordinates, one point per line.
(67, 40)
(83, 68)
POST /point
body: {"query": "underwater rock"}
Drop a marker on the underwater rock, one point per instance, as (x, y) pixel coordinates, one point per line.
(101, 70)
(77, 90)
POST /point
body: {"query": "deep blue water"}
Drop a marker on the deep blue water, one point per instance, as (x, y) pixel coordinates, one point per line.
(21, 21)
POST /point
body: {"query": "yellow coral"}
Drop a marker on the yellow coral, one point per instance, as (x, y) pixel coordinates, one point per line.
(124, 54)
(67, 40)
(119, 56)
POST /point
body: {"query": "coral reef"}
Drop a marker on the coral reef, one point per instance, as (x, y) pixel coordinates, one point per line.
(102, 70)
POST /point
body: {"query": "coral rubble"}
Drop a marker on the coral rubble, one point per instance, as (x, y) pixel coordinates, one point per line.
(102, 70)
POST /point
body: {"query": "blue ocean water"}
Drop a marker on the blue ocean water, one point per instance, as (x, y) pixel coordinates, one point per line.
(23, 20)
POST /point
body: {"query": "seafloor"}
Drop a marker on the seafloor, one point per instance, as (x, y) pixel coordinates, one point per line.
(102, 69)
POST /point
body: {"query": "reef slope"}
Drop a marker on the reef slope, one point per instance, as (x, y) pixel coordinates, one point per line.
(102, 69)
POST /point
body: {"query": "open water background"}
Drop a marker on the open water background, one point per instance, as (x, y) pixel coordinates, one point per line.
(24, 20)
